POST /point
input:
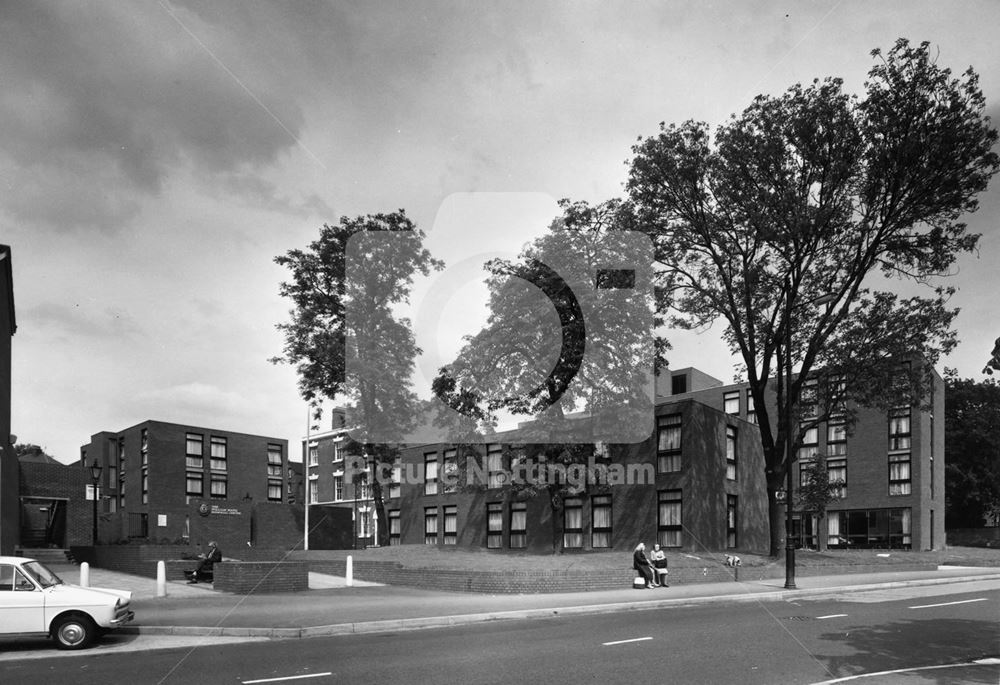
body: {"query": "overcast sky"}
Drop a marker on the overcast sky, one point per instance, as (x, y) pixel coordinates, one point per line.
(156, 156)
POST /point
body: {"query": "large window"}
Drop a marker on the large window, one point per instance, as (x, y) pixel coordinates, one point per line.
(836, 468)
(430, 473)
(450, 524)
(274, 460)
(899, 429)
(430, 525)
(751, 409)
(668, 444)
(219, 486)
(449, 474)
(899, 474)
(732, 512)
(869, 528)
(144, 446)
(600, 506)
(572, 523)
(218, 454)
(731, 452)
(518, 525)
(394, 526)
(145, 484)
(397, 477)
(274, 490)
(338, 488)
(731, 402)
(494, 525)
(836, 439)
(313, 455)
(669, 522)
(195, 484)
(494, 466)
(193, 450)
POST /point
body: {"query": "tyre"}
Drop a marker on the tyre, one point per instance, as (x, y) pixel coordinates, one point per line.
(74, 631)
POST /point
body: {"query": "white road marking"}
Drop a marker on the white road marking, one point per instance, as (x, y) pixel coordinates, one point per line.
(289, 677)
(621, 642)
(977, 662)
(831, 616)
(948, 604)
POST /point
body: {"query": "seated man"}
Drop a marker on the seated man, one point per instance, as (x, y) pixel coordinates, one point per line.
(207, 563)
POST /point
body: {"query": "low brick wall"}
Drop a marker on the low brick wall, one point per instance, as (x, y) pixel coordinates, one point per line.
(974, 537)
(261, 577)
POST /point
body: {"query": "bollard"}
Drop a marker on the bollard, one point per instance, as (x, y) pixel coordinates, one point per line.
(161, 578)
(85, 574)
(349, 580)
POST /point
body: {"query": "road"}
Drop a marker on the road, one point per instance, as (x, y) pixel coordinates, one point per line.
(939, 629)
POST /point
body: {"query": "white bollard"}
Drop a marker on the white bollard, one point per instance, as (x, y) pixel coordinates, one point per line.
(85, 574)
(349, 580)
(161, 579)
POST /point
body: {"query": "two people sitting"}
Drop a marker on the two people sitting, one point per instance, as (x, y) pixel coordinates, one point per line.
(654, 571)
(204, 571)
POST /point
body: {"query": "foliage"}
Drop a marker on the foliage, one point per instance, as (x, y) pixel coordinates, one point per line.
(344, 337)
(782, 226)
(818, 492)
(972, 446)
(994, 363)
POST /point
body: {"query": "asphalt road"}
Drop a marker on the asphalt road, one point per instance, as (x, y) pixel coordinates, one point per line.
(941, 630)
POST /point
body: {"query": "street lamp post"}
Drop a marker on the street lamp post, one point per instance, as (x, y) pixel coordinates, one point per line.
(95, 476)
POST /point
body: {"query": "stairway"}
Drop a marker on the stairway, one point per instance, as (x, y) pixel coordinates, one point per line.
(46, 555)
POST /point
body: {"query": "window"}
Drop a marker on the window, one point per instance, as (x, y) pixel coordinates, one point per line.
(869, 528)
(731, 402)
(144, 446)
(397, 477)
(219, 486)
(430, 474)
(899, 429)
(732, 507)
(193, 451)
(338, 487)
(274, 490)
(669, 518)
(394, 527)
(364, 522)
(836, 439)
(450, 474)
(808, 400)
(218, 462)
(518, 525)
(494, 466)
(430, 525)
(314, 455)
(494, 525)
(600, 506)
(836, 469)
(450, 524)
(195, 484)
(313, 492)
(731, 452)
(751, 410)
(572, 523)
(668, 444)
(145, 484)
(274, 460)
(810, 445)
(899, 474)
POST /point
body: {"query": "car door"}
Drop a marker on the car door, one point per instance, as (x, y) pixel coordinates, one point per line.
(22, 603)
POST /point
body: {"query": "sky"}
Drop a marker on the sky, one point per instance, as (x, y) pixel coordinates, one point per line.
(155, 157)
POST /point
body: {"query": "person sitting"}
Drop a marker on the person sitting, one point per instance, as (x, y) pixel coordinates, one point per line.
(640, 562)
(659, 559)
(205, 567)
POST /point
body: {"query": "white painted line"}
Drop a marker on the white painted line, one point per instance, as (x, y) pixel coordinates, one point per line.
(289, 677)
(977, 662)
(621, 642)
(831, 616)
(948, 604)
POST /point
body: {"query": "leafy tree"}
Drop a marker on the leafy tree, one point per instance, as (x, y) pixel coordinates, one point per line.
(972, 446)
(25, 448)
(994, 363)
(344, 337)
(816, 493)
(782, 225)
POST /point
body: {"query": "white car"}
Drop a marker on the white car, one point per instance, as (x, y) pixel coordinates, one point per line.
(33, 599)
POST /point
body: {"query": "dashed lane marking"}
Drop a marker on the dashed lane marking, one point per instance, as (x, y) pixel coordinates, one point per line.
(288, 677)
(948, 604)
(621, 642)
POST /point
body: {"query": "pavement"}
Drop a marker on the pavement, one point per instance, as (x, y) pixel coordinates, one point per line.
(330, 607)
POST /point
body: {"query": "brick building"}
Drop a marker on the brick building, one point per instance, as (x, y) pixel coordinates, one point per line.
(54, 509)
(167, 482)
(8, 460)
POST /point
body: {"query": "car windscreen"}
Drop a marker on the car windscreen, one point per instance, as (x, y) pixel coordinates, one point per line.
(42, 575)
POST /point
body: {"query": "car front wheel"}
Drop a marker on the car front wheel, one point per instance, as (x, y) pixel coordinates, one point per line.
(74, 632)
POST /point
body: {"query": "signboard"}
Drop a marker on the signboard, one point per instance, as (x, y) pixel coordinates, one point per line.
(226, 511)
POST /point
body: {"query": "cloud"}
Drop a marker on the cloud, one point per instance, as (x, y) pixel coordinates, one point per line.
(76, 322)
(110, 98)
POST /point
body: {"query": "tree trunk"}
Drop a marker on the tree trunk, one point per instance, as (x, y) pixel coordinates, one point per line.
(776, 522)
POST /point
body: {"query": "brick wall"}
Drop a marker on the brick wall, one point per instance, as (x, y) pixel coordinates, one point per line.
(259, 577)
(65, 484)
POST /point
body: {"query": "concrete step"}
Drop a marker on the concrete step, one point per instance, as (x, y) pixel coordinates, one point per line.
(44, 554)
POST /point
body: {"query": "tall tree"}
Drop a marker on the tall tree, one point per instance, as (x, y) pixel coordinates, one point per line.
(972, 443)
(344, 337)
(782, 226)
